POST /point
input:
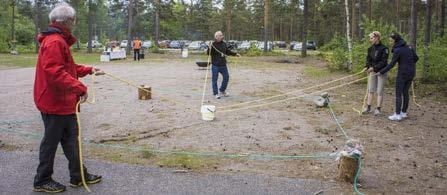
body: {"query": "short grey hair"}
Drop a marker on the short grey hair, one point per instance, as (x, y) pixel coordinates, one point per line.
(62, 13)
(217, 33)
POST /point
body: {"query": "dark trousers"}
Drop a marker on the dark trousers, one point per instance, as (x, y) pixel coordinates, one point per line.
(215, 74)
(63, 129)
(136, 54)
(403, 84)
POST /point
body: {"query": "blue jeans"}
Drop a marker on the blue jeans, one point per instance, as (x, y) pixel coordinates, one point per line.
(215, 74)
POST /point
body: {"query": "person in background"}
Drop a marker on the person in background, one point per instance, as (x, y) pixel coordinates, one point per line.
(136, 44)
(406, 56)
(56, 93)
(376, 60)
(218, 50)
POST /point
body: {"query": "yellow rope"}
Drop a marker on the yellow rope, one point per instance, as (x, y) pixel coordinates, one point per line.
(291, 92)
(414, 95)
(364, 100)
(78, 120)
(292, 98)
(81, 164)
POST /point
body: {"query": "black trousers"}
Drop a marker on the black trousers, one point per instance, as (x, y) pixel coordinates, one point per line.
(136, 54)
(63, 129)
(403, 84)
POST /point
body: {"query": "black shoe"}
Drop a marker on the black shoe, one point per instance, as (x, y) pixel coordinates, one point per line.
(50, 187)
(89, 179)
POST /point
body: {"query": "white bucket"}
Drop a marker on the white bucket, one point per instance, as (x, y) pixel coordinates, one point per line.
(185, 53)
(208, 112)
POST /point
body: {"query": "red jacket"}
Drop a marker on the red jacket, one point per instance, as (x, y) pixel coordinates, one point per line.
(56, 86)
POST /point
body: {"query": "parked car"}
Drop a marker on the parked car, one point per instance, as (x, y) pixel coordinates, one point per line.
(197, 45)
(245, 45)
(280, 44)
(146, 44)
(292, 44)
(311, 45)
(175, 45)
(95, 44)
(297, 46)
(123, 44)
(164, 44)
(232, 44)
(260, 45)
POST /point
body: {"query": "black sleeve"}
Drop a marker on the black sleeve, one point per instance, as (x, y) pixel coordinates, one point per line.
(229, 52)
(396, 55)
(383, 60)
(368, 59)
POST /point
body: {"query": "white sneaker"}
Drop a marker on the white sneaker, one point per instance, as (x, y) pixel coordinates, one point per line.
(377, 112)
(217, 96)
(403, 115)
(395, 117)
(224, 94)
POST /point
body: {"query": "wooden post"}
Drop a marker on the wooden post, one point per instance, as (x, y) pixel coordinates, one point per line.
(144, 92)
(347, 168)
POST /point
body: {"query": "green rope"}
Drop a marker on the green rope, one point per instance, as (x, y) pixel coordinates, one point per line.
(359, 165)
(336, 119)
(202, 154)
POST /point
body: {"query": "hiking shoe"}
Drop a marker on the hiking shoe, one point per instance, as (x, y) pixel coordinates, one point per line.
(403, 115)
(50, 187)
(366, 110)
(224, 94)
(217, 96)
(395, 117)
(377, 112)
(89, 179)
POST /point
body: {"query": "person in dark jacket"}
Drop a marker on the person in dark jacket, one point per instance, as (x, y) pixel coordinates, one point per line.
(218, 51)
(376, 60)
(406, 56)
(56, 93)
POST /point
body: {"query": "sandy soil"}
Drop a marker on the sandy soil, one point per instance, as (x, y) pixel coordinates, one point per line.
(408, 157)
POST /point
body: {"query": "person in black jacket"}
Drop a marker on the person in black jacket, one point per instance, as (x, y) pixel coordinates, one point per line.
(218, 51)
(376, 60)
(407, 58)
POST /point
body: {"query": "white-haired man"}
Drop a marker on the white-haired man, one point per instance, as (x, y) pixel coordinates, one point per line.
(218, 51)
(56, 93)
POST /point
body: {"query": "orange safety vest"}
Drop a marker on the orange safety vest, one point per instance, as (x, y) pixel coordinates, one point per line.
(137, 44)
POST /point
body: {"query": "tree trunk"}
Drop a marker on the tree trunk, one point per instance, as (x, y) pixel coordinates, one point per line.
(304, 35)
(228, 7)
(266, 18)
(354, 20)
(413, 23)
(361, 11)
(427, 38)
(442, 22)
(90, 26)
(157, 22)
(130, 26)
(37, 14)
(348, 36)
(370, 9)
(398, 16)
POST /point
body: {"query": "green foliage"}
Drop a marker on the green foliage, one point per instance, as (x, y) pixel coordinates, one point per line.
(437, 59)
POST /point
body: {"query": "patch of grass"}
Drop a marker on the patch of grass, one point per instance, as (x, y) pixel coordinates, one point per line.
(30, 60)
(8, 147)
(316, 73)
(23, 60)
(185, 162)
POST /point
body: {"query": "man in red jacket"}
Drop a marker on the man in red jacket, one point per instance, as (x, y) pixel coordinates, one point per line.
(56, 93)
